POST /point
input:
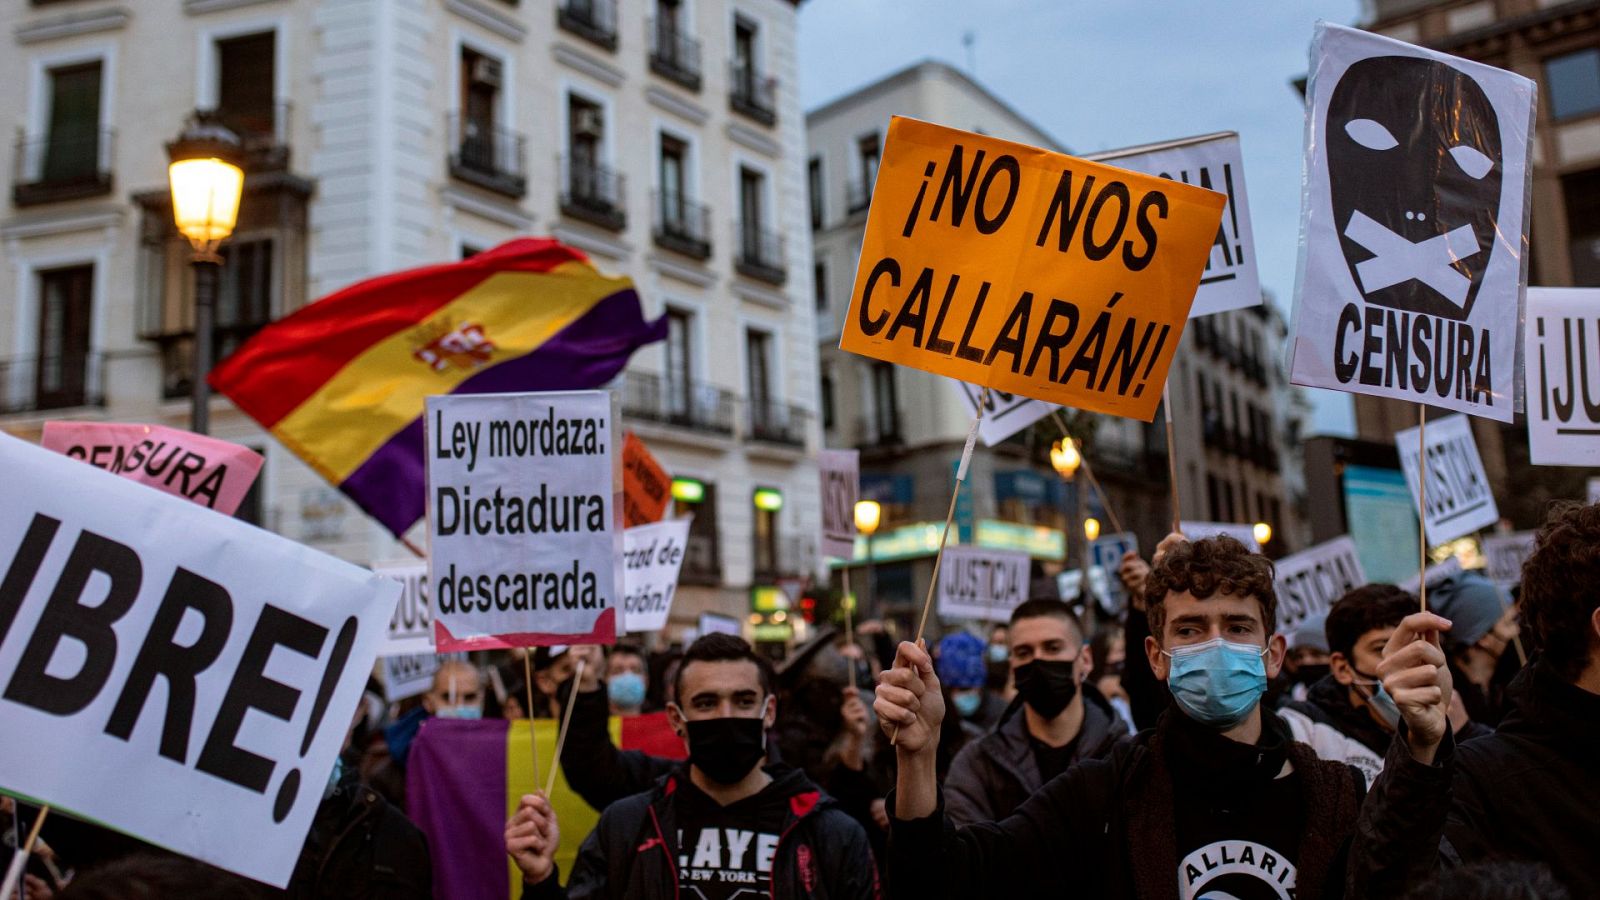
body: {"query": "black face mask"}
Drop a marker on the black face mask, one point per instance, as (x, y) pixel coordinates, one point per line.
(1047, 685)
(726, 749)
(1311, 673)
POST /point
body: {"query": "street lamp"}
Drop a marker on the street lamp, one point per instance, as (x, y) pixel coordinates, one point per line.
(1091, 528)
(1262, 533)
(869, 514)
(1065, 458)
(207, 176)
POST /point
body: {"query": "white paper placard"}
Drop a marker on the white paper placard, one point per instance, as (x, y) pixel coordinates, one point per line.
(1215, 163)
(652, 556)
(408, 674)
(411, 626)
(1412, 225)
(1005, 415)
(1312, 580)
(1458, 496)
(1244, 534)
(1563, 354)
(1436, 573)
(840, 471)
(1504, 555)
(170, 671)
(524, 519)
(1106, 553)
(977, 583)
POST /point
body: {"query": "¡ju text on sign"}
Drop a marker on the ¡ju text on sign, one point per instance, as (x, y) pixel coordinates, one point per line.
(1027, 271)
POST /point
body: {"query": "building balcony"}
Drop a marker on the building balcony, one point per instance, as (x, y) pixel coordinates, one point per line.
(670, 401)
(760, 254)
(681, 225)
(857, 197)
(880, 430)
(56, 168)
(593, 20)
(263, 134)
(491, 158)
(177, 355)
(592, 193)
(42, 383)
(753, 94)
(674, 55)
(771, 422)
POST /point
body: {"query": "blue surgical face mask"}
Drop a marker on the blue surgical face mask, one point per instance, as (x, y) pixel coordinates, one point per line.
(460, 712)
(1379, 700)
(998, 653)
(626, 689)
(1217, 682)
(967, 704)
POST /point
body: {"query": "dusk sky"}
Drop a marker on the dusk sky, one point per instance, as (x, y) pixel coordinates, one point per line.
(1103, 75)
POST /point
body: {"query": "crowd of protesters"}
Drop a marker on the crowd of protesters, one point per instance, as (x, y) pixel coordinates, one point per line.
(1183, 749)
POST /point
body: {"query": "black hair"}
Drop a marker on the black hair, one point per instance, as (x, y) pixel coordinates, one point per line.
(718, 647)
(1559, 588)
(1493, 881)
(1043, 607)
(1366, 608)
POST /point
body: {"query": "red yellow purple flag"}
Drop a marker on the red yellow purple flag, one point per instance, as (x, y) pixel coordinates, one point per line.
(341, 382)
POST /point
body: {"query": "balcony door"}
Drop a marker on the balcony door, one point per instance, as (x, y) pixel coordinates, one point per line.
(72, 146)
(245, 85)
(750, 213)
(678, 385)
(65, 305)
(674, 212)
(758, 366)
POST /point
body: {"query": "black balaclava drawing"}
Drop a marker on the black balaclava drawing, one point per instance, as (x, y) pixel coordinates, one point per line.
(1414, 166)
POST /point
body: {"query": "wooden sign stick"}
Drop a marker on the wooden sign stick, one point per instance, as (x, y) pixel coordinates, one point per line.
(19, 860)
(1422, 504)
(1172, 459)
(566, 720)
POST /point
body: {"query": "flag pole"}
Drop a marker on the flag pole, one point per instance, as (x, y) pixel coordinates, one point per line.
(527, 679)
(19, 859)
(944, 537)
(1422, 505)
(566, 720)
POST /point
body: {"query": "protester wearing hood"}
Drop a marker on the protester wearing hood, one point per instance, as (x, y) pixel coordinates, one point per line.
(722, 826)
(1530, 790)
(1110, 649)
(1056, 721)
(1484, 625)
(1306, 664)
(1216, 800)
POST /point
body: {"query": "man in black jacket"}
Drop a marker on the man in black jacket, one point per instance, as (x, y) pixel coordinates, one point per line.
(1530, 791)
(1056, 721)
(723, 826)
(1214, 801)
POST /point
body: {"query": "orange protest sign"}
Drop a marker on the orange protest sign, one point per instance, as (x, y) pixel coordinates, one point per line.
(646, 486)
(1027, 271)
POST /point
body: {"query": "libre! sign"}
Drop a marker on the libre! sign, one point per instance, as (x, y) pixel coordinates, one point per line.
(1312, 580)
(215, 474)
(1563, 407)
(975, 583)
(1458, 499)
(1414, 219)
(176, 674)
(524, 520)
(1027, 271)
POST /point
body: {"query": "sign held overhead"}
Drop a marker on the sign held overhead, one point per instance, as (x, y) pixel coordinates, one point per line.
(652, 556)
(1458, 498)
(841, 488)
(1563, 346)
(1312, 580)
(1027, 271)
(975, 583)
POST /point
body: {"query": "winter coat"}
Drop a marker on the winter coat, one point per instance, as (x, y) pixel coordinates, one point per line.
(822, 853)
(1331, 744)
(361, 848)
(1106, 829)
(1328, 703)
(993, 775)
(594, 768)
(1529, 791)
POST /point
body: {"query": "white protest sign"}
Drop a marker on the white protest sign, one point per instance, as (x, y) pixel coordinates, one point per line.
(1312, 580)
(976, 583)
(1594, 490)
(1436, 573)
(408, 674)
(651, 557)
(170, 671)
(1458, 496)
(524, 519)
(1413, 223)
(1244, 534)
(1504, 555)
(411, 626)
(1563, 331)
(716, 623)
(841, 488)
(1106, 553)
(1004, 415)
(1214, 162)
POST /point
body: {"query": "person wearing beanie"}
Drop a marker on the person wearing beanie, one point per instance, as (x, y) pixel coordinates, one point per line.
(1057, 719)
(1484, 626)
(962, 661)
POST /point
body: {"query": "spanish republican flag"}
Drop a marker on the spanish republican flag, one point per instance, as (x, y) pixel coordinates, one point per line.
(341, 382)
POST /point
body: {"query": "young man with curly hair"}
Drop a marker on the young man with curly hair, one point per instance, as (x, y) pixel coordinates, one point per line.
(1531, 790)
(1215, 800)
